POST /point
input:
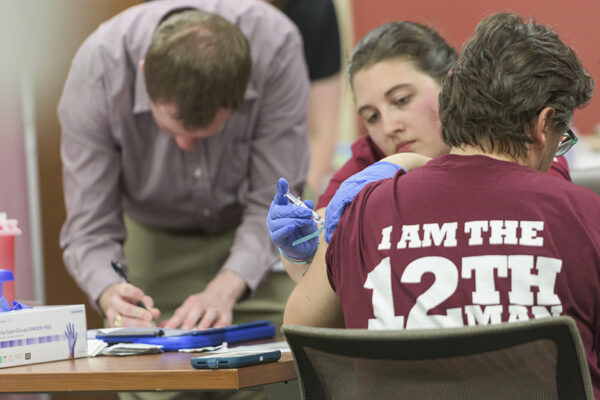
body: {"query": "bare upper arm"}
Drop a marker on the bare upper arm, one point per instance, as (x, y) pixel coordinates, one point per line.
(313, 302)
(408, 161)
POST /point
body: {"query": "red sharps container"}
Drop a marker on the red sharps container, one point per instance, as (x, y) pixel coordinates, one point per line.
(8, 230)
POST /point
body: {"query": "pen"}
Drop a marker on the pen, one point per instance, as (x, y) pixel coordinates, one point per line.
(118, 267)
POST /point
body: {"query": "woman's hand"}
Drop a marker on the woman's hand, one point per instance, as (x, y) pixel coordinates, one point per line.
(287, 223)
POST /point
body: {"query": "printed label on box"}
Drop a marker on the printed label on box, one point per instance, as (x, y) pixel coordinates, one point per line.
(41, 334)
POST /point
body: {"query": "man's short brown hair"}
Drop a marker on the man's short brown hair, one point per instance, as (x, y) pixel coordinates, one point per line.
(200, 62)
(506, 75)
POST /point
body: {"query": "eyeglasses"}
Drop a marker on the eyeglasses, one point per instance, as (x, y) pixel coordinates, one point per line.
(567, 140)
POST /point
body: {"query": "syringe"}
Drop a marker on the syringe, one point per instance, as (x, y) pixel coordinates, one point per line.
(296, 201)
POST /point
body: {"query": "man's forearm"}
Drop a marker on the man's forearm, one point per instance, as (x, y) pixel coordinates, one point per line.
(228, 285)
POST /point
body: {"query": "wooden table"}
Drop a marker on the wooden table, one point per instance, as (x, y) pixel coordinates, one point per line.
(158, 372)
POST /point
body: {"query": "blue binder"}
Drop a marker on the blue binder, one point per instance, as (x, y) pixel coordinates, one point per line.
(263, 329)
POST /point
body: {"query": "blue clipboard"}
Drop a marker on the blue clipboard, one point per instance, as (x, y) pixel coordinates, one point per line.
(262, 329)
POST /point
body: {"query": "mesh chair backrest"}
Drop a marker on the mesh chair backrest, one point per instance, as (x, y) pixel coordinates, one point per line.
(538, 359)
(500, 374)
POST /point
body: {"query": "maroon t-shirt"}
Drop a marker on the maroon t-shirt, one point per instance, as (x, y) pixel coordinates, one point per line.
(469, 240)
(365, 152)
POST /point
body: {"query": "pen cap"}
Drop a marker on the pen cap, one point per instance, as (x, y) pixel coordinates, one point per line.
(8, 230)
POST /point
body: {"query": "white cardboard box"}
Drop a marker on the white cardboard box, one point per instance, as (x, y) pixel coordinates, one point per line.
(40, 334)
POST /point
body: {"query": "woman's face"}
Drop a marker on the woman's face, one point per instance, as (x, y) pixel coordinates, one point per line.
(399, 106)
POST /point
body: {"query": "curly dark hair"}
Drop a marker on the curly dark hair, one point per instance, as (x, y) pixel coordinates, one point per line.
(508, 72)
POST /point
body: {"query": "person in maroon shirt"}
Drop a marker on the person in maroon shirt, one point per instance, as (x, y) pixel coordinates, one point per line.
(397, 101)
(478, 236)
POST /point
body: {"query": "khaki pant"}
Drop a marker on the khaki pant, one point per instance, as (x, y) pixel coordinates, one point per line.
(171, 266)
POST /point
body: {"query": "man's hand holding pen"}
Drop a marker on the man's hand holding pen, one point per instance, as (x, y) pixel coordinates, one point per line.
(126, 305)
(118, 302)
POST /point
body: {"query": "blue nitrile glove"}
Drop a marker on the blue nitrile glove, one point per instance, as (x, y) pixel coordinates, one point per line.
(350, 188)
(18, 306)
(4, 306)
(288, 223)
